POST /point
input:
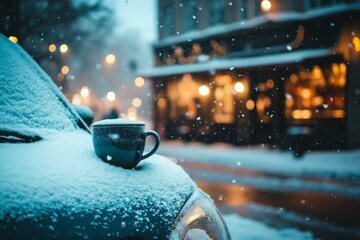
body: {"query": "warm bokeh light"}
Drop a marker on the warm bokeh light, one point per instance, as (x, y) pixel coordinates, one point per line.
(132, 113)
(60, 77)
(52, 47)
(204, 90)
(136, 102)
(335, 69)
(76, 99)
(13, 39)
(111, 96)
(317, 72)
(356, 43)
(64, 48)
(306, 114)
(301, 114)
(239, 87)
(270, 83)
(306, 93)
(265, 5)
(65, 70)
(342, 68)
(139, 82)
(250, 104)
(293, 78)
(338, 113)
(84, 92)
(110, 58)
(318, 101)
(161, 103)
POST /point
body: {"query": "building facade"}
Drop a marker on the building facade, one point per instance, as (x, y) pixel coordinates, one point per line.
(255, 71)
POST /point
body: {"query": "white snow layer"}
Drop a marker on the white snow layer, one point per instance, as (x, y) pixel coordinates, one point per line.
(117, 121)
(336, 164)
(218, 64)
(248, 229)
(28, 106)
(63, 174)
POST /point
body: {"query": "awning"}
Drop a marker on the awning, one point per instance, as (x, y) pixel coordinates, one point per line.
(238, 63)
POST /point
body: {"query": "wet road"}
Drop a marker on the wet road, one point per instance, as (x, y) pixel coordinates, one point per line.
(327, 215)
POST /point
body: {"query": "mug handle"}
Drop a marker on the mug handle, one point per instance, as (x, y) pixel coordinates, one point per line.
(157, 143)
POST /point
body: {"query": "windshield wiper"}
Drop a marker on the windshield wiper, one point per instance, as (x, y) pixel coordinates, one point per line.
(15, 137)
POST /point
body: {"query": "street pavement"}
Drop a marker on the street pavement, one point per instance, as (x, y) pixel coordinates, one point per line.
(336, 172)
(319, 192)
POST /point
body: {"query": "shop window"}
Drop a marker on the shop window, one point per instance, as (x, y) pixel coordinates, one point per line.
(316, 94)
(187, 98)
(263, 101)
(224, 100)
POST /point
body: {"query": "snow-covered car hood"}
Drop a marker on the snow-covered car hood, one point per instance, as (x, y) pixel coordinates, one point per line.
(59, 186)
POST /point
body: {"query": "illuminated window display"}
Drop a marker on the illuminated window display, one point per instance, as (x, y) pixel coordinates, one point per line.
(316, 94)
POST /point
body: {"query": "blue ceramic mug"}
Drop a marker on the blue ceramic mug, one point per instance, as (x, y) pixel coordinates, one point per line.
(121, 142)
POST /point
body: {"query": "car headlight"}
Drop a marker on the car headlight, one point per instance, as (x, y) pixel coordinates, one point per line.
(199, 219)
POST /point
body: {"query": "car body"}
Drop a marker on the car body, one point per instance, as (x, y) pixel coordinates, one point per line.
(52, 184)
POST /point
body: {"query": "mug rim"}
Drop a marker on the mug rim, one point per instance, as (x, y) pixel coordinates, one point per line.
(118, 123)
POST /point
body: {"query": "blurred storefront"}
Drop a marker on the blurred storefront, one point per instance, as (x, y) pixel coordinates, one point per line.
(262, 77)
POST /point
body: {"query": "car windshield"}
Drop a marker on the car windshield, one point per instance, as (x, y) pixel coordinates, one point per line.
(29, 105)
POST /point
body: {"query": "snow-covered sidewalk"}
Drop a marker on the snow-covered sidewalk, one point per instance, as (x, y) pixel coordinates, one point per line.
(248, 229)
(339, 164)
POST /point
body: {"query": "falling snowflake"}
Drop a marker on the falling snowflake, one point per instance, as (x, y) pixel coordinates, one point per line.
(114, 136)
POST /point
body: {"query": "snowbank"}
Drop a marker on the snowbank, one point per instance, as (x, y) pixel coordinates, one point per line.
(334, 164)
(248, 229)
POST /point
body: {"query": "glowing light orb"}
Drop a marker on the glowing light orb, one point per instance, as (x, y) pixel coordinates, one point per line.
(139, 82)
(265, 5)
(110, 58)
(239, 87)
(64, 48)
(84, 92)
(111, 96)
(204, 90)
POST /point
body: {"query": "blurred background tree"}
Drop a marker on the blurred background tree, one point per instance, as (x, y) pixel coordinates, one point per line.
(85, 48)
(43, 26)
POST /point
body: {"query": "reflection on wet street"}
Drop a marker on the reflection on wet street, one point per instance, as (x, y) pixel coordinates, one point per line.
(327, 215)
(325, 207)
